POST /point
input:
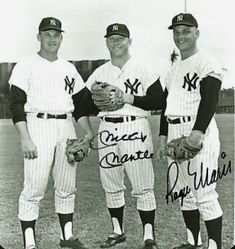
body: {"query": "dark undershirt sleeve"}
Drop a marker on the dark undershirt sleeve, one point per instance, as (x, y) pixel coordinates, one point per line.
(163, 131)
(83, 104)
(209, 90)
(17, 101)
(153, 100)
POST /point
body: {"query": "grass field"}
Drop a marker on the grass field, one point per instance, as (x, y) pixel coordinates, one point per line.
(91, 217)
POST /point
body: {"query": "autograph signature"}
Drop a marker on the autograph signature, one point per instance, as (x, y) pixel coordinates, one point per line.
(107, 138)
(201, 178)
(111, 159)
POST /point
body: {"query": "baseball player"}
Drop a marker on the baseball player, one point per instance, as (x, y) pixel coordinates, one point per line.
(192, 89)
(43, 87)
(129, 128)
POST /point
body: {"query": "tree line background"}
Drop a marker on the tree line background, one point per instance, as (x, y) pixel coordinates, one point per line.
(85, 68)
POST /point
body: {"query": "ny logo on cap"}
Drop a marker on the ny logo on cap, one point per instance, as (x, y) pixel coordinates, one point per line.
(115, 27)
(180, 18)
(53, 22)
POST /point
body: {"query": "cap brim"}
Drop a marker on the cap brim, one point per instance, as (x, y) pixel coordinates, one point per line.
(51, 28)
(116, 33)
(182, 23)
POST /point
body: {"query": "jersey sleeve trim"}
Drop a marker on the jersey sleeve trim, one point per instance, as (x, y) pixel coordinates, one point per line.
(209, 91)
(163, 122)
(153, 100)
(83, 104)
(17, 101)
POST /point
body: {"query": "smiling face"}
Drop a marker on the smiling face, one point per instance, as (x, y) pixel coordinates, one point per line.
(50, 41)
(118, 45)
(185, 38)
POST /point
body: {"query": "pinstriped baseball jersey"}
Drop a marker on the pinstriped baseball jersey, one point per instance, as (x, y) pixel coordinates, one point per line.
(133, 78)
(48, 85)
(183, 83)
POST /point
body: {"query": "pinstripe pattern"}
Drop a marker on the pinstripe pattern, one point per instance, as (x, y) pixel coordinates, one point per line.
(131, 71)
(205, 198)
(180, 101)
(183, 85)
(50, 138)
(44, 84)
(139, 172)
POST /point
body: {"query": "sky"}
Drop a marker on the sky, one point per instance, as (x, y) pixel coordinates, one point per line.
(85, 23)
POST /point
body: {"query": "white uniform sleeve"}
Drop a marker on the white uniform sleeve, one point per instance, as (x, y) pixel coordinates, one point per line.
(165, 79)
(211, 67)
(20, 76)
(149, 77)
(91, 80)
(79, 83)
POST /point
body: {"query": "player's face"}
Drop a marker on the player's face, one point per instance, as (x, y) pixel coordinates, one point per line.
(118, 45)
(50, 41)
(185, 37)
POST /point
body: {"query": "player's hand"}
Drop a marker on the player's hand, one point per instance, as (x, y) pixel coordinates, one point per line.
(128, 98)
(161, 154)
(161, 151)
(195, 138)
(29, 149)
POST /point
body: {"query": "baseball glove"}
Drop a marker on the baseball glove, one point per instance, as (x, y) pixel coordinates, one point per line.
(180, 150)
(101, 96)
(77, 150)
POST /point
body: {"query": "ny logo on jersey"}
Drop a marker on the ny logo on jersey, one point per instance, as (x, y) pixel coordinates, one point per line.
(191, 82)
(132, 87)
(69, 84)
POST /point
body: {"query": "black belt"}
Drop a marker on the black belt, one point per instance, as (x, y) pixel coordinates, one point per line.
(179, 120)
(118, 119)
(47, 115)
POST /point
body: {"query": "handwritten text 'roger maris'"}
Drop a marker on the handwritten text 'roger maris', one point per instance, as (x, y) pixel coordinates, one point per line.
(201, 178)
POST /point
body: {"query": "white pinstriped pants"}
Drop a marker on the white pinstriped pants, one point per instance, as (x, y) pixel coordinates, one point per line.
(49, 136)
(205, 198)
(140, 172)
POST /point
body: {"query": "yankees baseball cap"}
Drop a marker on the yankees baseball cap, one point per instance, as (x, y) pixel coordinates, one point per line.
(48, 23)
(183, 19)
(117, 29)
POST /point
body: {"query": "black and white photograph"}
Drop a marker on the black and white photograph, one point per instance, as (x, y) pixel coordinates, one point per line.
(117, 124)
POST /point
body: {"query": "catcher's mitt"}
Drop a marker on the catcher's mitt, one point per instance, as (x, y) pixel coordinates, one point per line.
(180, 150)
(77, 150)
(101, 96)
